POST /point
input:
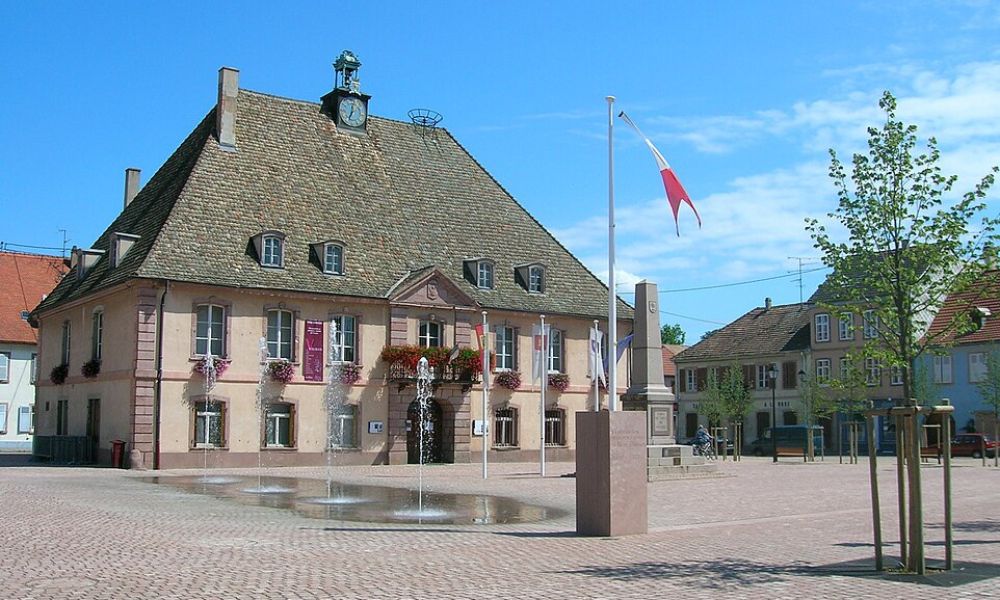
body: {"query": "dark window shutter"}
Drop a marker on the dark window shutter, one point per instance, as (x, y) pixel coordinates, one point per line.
(702, 378)
(789, 375)
(749, 376)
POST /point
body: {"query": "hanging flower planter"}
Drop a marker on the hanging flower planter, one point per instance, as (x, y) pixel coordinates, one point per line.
(559, 381)
(350, 373)
(59, 374)
(281, 371)
(508, 379)
(218, 362)
(91, 368)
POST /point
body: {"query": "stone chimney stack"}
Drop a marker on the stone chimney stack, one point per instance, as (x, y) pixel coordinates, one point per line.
(132, 185)
(225, 110)
(767, 304)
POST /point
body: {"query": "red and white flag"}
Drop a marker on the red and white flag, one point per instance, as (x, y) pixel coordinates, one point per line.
(675, 191)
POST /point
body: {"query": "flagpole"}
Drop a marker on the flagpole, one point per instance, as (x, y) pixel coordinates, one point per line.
(612, 305)
(486, 393)
(541, 407)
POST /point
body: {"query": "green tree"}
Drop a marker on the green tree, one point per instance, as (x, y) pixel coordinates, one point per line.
(906, 248)
(672, 334)
(728, 393)
(989, 388)
(713, 404)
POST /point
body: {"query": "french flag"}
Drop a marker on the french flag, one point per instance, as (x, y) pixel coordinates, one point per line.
(675, 191)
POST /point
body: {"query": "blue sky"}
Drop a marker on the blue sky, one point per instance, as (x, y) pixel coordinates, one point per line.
(743, 98)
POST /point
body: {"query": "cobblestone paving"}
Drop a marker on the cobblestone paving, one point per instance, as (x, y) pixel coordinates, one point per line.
(761, 530)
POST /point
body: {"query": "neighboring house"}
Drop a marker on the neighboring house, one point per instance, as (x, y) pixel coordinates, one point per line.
(669, 369)
(959, 364)
(26, 278)
(274, 219)
(765, 336)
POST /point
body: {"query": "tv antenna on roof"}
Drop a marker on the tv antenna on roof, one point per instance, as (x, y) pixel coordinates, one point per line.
(424, 119)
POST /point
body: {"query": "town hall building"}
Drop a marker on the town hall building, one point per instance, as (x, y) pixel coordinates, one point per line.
(276, 221)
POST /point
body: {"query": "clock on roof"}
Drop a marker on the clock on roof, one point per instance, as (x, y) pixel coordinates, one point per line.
(346, 105)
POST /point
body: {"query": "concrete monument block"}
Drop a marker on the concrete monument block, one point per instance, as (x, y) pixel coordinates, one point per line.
(611, 464)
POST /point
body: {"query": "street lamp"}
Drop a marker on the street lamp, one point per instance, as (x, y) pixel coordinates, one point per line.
(772, 376)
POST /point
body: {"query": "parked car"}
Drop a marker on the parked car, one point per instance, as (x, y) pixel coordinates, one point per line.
(787, 436)
(971, 444)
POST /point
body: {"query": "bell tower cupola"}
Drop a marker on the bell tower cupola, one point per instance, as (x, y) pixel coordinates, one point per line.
(346, 105)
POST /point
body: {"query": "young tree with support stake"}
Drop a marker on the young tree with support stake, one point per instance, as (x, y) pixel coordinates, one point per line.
(729, 396)
(908, 247)
(817, 403)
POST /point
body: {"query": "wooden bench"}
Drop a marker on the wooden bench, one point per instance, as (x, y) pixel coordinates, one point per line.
(931, 452)
(793, 451)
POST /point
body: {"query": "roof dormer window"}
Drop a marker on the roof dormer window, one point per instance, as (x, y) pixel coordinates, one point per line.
(329, 256)
(480, 273)
(120, 245)
(484, 279)
(531, 277)
(82, 259)
(270, 246)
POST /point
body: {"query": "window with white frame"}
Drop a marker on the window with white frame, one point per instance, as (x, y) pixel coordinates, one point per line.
(536, 279)
(895, 375)
(505, 427)
(209, 424)
(273, 254)
(555, 427)
(33, 375)
(4, 367)
(97, 335)
(977, 367)
(26, 419)
(278, 430)
(763, 377)
(280, 327)
(823, 370)
(690, 380)
(555, 351)
(873, 372)
(822, 327)
(429, 334)
(845, 326)
(3, 417)
(346, 340)
(484, 277)
(344, 427)
(869, 325)
(62, 417)
(210, 330)
(506, 348)
(942, 369)
(64, 354)
(333, 259)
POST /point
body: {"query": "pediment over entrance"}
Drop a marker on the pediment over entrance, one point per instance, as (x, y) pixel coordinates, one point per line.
(430, 287)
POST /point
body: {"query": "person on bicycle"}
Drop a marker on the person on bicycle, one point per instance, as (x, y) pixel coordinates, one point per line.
(703, 439)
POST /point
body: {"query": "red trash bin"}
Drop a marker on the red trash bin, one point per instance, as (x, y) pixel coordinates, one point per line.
(118, 454)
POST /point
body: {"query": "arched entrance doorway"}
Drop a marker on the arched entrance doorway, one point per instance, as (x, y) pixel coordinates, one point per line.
(433, 432)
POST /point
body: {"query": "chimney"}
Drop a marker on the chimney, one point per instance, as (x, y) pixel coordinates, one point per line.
(767, 304)
(225, 110)
(131, 184)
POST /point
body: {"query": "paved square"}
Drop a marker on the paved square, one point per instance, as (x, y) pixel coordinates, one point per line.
(789, 530)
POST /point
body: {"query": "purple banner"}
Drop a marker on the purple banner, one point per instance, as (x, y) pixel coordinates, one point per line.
(312, 362)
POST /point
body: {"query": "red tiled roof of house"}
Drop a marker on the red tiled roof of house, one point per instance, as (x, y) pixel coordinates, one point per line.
(26, 278)
(669, 350)
(985, 294)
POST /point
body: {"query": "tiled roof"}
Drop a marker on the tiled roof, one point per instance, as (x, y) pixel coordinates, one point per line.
(400, 200)
(669, 351)
(985, 294)
(760, 331)
(26, 278)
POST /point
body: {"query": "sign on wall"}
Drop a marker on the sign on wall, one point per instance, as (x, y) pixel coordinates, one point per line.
(312, 360)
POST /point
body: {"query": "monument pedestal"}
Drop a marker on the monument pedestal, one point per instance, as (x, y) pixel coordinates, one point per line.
(611, 461)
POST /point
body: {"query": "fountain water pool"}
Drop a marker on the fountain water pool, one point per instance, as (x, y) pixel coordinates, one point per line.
(366, 503)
